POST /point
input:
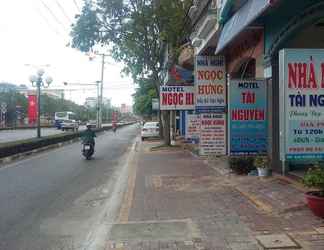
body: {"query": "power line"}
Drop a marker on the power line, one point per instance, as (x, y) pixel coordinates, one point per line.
(53, 15)
(48, 22)
(63, 11)
(76, 5)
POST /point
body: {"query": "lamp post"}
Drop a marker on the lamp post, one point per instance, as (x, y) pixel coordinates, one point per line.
(37, 81)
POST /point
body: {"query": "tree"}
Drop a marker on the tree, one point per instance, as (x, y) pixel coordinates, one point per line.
(136, 31)
(14, 100)
(143, 97)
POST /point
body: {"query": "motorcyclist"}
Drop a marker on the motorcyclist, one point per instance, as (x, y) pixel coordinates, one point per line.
(88, 136)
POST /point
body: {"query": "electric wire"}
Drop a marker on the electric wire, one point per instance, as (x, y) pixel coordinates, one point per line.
(76, 5)
(53, 15)
(63, 11)
(48, 23)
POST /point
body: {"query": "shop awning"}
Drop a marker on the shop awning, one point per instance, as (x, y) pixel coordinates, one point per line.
(240, 20)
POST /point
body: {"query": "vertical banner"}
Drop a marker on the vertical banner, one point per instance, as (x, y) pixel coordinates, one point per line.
(114, 117)
(210, 82)
(248, 117)
(32, 109)
(212, 134)
(192, 127)
(301, 104)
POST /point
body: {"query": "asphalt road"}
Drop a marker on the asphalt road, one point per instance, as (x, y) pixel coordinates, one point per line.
(53, 200)
(22, 134)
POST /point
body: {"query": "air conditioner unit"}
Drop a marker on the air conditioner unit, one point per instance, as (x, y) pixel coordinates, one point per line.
(192, 11)
(209, 23)
(196, 42)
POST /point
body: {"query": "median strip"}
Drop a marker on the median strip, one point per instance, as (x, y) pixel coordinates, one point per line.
(15, 150)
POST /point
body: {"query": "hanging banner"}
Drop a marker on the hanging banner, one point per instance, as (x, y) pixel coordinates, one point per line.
(212, 134)
(301, 104)
(177, 98)
(210, 82)
(248, 117)
(32, 109)
(192, 126)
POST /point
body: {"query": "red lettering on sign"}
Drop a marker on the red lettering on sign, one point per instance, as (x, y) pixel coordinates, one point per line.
(210, 89)
(248, 115)
(302, 75)
(210, 75)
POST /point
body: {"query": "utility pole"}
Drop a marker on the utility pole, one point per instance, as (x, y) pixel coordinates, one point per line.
(100, 105)
(101, 91)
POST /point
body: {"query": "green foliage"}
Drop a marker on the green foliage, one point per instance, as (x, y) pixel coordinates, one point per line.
(135, 31)
(50, 105)
(143, 97)
(13, 99)
(314, 178)
(241, 164)
(261, 161)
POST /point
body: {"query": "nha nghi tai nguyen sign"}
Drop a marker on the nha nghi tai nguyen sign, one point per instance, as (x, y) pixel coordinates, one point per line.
(301, 104)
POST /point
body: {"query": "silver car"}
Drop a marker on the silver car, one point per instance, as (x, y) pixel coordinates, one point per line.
(150, 130)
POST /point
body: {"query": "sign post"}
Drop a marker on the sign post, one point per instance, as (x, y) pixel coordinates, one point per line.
(210, 82)
(177, 98)
(212, 134)
(192, 127)
(301, 104)
(3, 112)
(248, 117)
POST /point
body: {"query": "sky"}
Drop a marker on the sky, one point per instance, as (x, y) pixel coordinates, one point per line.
(34, 34)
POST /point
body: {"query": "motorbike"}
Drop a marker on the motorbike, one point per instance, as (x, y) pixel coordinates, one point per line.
(87, 150)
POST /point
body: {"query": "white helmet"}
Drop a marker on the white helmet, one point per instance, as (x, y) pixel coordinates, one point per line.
(88, 124)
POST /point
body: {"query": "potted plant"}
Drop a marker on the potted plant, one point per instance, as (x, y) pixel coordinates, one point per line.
(314, 178)
(261, 163)
(241, 165)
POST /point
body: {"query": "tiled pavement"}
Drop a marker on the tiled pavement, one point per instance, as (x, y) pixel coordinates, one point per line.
(180, 202)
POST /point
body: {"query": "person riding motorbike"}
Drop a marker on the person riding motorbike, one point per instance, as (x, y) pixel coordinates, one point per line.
(88, 137)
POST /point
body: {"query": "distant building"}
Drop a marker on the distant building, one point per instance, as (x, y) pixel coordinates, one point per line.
(106, 102)
(6, 87)
(91, 102)
(125, 108)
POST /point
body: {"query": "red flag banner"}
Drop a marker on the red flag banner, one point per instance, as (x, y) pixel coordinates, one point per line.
(32, 109)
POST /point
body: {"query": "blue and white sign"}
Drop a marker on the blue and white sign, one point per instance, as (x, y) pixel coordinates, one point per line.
(210, 82)
(301, 104)
(248, 117)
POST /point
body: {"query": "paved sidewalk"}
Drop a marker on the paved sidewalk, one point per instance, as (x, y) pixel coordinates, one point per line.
(177, 201)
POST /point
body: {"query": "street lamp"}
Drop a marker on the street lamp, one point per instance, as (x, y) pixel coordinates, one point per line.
(37, 81)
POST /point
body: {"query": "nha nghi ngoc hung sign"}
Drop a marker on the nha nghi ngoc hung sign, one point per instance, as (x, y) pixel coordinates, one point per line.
(177, 97)
(210, 82)
(248, 117)
(301, 104)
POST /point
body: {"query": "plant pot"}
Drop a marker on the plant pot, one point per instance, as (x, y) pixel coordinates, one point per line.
(315, 203)
(263, 172)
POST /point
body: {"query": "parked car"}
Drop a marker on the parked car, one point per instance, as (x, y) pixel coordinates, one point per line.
(150, 130)
(93, 123)
(70, 124)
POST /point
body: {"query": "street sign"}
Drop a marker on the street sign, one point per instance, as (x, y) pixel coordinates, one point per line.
(155, 104)
(3, 107)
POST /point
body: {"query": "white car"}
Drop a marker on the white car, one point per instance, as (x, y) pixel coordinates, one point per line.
(150, 130)
(70, 124)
